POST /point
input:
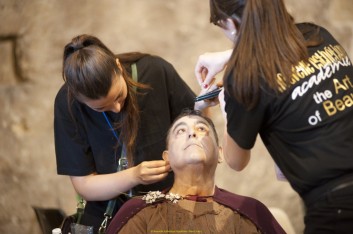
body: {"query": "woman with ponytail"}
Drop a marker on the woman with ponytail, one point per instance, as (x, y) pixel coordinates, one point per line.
(291, 83)
(111, 119)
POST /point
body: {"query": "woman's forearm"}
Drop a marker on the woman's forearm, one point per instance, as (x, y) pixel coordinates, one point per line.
(235, 156)
(104, 187)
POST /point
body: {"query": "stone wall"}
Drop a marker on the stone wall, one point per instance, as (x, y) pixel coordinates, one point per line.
(32, 36)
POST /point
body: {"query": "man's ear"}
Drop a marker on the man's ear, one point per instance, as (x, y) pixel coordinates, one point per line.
(165, 155)
(220, 154)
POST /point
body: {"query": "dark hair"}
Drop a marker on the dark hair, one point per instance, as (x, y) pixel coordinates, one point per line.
(268, 42)
(89, 68)
(191, 112)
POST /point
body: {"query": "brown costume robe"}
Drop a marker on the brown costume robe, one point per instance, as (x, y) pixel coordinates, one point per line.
(227, 213)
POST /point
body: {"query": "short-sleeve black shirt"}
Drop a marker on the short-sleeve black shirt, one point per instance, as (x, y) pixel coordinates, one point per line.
(308, 128)
(84, 142)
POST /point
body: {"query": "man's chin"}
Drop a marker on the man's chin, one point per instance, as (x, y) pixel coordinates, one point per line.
(195, 158)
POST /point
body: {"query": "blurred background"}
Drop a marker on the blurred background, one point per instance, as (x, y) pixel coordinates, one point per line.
(32, 36)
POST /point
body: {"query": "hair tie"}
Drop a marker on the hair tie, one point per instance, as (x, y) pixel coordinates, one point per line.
(77, 47)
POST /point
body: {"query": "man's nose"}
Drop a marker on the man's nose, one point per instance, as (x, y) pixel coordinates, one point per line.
(192, 134)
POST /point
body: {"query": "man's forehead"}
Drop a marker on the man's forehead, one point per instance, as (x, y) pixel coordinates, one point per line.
(189, 119)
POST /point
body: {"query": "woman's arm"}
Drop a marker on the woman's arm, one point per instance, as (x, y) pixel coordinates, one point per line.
(235, 156)
(103, 187)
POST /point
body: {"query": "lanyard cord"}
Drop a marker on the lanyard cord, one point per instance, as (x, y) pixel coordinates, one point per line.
(122, 165)
(111, 127)
(123, 154)
(123, 159)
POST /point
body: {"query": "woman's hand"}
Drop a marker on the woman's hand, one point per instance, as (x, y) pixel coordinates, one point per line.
(103, 187)
(200, 105)
(211, 64)
(149, 172)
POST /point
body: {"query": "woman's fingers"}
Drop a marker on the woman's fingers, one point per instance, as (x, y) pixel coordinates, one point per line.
(153, 171)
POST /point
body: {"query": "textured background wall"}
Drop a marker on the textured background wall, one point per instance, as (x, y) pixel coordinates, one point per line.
(32, 36)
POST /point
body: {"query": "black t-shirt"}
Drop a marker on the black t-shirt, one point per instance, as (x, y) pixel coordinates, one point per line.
(84, 142)
(308, 128)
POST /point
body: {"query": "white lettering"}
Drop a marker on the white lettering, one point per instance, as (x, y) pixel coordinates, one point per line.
(314, 119)
(324, 73)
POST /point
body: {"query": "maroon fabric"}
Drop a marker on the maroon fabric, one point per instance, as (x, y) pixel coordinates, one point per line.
(128, 210)
(251, 208)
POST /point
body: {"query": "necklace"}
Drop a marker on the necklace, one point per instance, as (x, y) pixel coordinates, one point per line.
(157, 196)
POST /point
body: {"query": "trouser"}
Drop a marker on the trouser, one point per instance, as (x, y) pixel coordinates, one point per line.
(332, 213)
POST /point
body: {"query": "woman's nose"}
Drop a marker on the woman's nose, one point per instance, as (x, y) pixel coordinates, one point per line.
(116, 107)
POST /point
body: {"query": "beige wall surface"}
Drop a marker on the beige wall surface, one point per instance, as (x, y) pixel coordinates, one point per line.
(32, 36)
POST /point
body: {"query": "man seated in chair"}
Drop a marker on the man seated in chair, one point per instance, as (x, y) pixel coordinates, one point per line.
(194, 203)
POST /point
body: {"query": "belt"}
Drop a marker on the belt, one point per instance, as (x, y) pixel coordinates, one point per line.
(321, 192)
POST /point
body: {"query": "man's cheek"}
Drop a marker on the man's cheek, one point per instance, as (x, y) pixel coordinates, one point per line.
(206, 142)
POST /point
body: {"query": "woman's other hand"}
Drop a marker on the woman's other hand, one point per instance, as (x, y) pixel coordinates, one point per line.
(211, 64)
(200, 105)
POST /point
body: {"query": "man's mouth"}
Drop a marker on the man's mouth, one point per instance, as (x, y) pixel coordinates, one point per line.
(193, 144)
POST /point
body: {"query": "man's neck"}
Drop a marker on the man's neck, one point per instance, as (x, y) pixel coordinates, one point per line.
(185, 187)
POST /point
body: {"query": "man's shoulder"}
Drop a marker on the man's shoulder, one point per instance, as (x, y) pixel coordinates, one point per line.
(245, 205)
(251, 208)
(128, 210)
(132, 206)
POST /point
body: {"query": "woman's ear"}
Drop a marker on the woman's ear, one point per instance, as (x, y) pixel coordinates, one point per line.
(230, 25)
(220, 154)
(118, 63)
(165, 155)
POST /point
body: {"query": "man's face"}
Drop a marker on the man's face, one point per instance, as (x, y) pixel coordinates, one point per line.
(192, 141)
